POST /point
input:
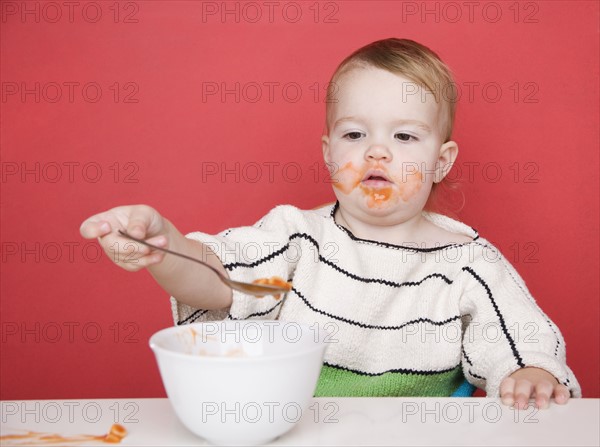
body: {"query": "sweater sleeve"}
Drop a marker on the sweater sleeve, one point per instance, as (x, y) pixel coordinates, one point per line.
(506, 330)
(248, 253)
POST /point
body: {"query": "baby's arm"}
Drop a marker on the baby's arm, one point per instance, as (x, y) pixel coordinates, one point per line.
(189, 282)
(271, 247)
(510, 347)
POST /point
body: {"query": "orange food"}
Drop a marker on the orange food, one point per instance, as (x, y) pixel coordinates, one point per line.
(348, 178)
(274, 281)
(115, 435)
(194, 334)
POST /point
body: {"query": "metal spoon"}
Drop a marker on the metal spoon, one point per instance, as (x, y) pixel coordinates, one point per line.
(245, 287)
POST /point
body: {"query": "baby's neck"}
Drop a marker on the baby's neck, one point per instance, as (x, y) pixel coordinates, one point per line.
(404, 233)
(417, 232)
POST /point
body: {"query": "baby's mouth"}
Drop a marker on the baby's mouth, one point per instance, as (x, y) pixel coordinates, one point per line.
(376, 179)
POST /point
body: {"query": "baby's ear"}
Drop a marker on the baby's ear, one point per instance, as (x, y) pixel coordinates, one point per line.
(447, 157)
(325, 147)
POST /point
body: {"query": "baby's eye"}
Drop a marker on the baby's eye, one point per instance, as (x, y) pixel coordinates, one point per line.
(405, 136)
(353, 135)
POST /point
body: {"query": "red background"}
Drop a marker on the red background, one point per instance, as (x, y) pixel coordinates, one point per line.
(543, 216)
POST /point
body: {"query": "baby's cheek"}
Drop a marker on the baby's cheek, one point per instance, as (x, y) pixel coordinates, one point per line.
(346, 178)
(412, 185)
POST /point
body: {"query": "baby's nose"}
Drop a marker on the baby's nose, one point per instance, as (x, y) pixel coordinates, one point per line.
(378, 152)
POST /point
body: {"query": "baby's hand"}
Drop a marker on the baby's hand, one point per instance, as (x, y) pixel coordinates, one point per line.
(528, 382)
(139, 221)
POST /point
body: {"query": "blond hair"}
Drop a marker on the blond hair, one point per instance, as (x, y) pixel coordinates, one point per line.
(410, 60)
(420, 65)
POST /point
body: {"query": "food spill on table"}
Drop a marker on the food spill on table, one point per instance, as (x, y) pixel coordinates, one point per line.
(235, 352)
(114, 436)
(274, 281)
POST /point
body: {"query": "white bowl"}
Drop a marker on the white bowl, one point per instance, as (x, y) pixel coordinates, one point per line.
(240, 382)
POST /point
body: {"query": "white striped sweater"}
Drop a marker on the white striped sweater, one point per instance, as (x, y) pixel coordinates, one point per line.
(405, 320)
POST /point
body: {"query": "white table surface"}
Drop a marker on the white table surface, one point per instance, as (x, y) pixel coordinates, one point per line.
(329, 421)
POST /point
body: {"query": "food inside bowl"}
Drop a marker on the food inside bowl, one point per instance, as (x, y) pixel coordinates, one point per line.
(201, 343)
(235, 352)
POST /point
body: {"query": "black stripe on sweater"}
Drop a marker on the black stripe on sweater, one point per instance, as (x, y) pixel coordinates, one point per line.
(343, 319)
(192, 317)
(472, 374)
(511, 342)
(276, 253)
(466, 356)
(371, 326)
(399, 370)
(400, 247)
(334, 266)
(256, 314)
(384, 281)
(527, 294)
(397, 247)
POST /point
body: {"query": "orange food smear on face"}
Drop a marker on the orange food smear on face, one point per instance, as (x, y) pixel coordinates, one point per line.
(376, 196)
(115, 435)
(348, 178)
(412, 185)
(274, 281)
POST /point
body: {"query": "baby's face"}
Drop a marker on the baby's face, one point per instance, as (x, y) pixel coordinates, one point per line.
(384, 144)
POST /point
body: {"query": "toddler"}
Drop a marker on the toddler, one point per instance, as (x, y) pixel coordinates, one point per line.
(416, 302)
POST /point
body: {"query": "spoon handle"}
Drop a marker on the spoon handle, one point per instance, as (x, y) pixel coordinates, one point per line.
(251, 288)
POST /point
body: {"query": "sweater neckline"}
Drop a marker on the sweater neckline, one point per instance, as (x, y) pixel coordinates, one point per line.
(432, 217)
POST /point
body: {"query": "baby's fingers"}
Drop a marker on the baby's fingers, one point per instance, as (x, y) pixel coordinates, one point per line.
(561, 394)
(159, 241)
(516, 392)
(143, 222)
(128, 254)
(93, 228)
(523, 391)
(507, 391)
(520, 386)
(142, 262)
(134, 256)
(543, 391)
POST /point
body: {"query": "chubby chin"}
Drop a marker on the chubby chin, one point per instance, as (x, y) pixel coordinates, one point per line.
(381, 207)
